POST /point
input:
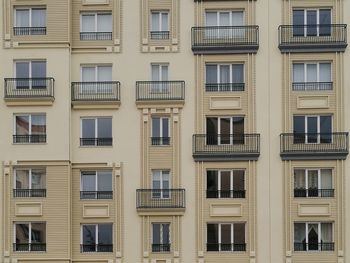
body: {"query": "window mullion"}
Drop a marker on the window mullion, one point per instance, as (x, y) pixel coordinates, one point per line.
(96, 22)
(96, 123)
(232, 237)
(219, 183)
(30, 234)
(30, 178)
(219, 235)
(307, 235)
(96, 180)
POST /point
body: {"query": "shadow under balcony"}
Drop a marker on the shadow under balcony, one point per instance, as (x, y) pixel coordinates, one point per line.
(160, 92)
(225, 39)
(230, 147)
(105, 94)
(29, 91)
(319, 146)
(161, 200)
(312, 38)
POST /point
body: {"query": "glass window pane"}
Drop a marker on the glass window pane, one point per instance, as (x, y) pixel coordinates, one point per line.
(22, 125)
(313, 179)
(299, 179)
(38, 69)
(311, 21)
(155, 73)
(326, 129)
(38, 233)
(239, 233)
(165, 122)
(38, 179)
(225, 126)
(238, 125)
(104, 181)
(22, 18)
(155, 22)
(237, 18)
(225, 234)
(88, 23)
(225, 181)
(164, 76)
(212, 234)
(88, 128)
(212, 180)
(326, 179)
(298, 72)
(22, 69)
(166, 234)
(325, 22)
(165, 23)
(38, 17)
(89, 234)
(313, 236)
(237, 73)
(298, 21)
(299, 124)
(224, 19)
(88, 181)
(325, 72)
(22, 233)
(105, 234)
(38, 124)
(299, 233)
(156, 234)
(211, 19)
(22, 179)
(104, 23)
(225, 74)
(104, 129)
(104, 73)
(211, 74)
(88, 74)
(311, 73)
(326, 232)
(155, 127)
(238, 180)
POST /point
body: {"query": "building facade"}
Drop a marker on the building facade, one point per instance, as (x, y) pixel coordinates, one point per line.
(207, 131)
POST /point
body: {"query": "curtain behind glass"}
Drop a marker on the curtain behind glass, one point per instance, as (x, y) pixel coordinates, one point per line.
(104, 23)
(22, 18)
(38, 17)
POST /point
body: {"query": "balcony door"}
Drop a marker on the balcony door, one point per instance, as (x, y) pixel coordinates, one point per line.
(312, 129)
(96, 79)
(225, 130)
(312, 22)
(220, 24)
(160, 184)
(30, 74)
(160, 76)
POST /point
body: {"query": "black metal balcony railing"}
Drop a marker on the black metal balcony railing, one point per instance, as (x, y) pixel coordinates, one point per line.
(96, 91)
(29, 247)
(225, 247)
(225, 193)
(324, 246)
(37, 138)
(313, 192)
(160, 198)
(223, 146)
(312, 86)
(91, 36)
(312, 37)
(160, 140)
(29, 87)
(225, 38)
(29, 192)
(224, 87)
(160, 90)
(160, 247)
(96, 141)
(25, 31)
(158, 35)
(96, 248)
(328, 145)
(96, 195)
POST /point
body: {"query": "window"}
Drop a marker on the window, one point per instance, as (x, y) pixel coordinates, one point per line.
(224, 77)
(159, 25)
(313, 236)
(160, 237)
(30, 128)
(160, 131)
(160, 184)
(225, 184)
(225, 130)
(96, 185)
(226, 237)
(30, 236)
(224, 24)
(96, 79)
(159, 78)
(312, 76)
(30, 21)
(96, 131)
(96, 26)
(97, 238)
(30, 74)
(30, 183)
(313, 183)
(312, 129)
(312, 22)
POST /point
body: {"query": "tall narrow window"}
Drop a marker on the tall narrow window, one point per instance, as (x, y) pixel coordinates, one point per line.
(30, 21)
(313, 183)
(96, 131)
(225, 184)
(30, 128)
(96, 26)
(159, 25)
(30, 182)
(226, 237)
(30, 236)
(160, 131)
(160, 237)
(97, 238)
(160, 184)
(96, 185)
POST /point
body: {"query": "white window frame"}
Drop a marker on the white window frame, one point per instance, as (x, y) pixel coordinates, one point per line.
(30, 82)
(96, 179)
(96, 125)
(30, 9)
(29, 231)
(218, 12)
(94, 14)
(29, 121)
(317, 70)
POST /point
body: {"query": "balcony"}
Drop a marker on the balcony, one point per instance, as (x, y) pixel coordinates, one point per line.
(158, 141)
(160, 247)
(25, 247)
(29, 193)
(160, 200)
(96, 195)
(225, 247)
(224, 87)
(95, 93)
(96, 141)
(160, 92)
(313, 192)
(312, 38)
(38, 138)
(230, 147)
(312, 86)
(225, 39)
(92, 36)
(225, 193)
(159, 35)
(324, 246)
(320, 146)
(29, 90)
(96, 248)
(29, 31)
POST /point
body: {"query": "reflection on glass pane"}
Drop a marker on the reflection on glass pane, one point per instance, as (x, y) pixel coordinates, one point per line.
(22, 125)
(104, 181)
(326, 179)
(88, 181)
(165, 124)
(104, 128)
(38, 233)
(22, 233)
(38, 124)
(212, 234)
(238, 180)
(22, 179)
(88, 128)
(166, 236)
(225, 233)
(156, 233)
(155, 127)
(89, 234)
(38, 179)
(105, 234)
(239, 233)
(299, 233)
